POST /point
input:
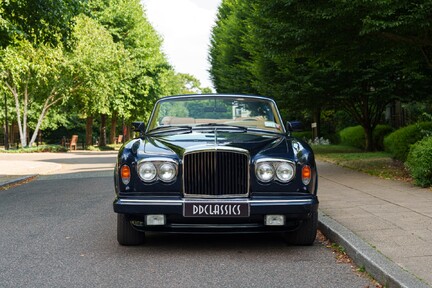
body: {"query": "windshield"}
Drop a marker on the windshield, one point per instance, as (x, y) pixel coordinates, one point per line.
(221, 110)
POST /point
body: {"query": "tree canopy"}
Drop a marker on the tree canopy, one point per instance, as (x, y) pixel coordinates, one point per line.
(313, 55)
(82, 59)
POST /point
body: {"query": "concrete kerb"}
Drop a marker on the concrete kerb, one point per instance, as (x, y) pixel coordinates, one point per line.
(378, 266)
(17, 180)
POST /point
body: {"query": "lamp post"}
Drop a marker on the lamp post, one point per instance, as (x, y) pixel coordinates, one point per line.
(6, 136)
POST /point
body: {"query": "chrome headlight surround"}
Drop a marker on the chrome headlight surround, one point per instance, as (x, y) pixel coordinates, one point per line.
(152, 169)
(282, 170)
(265, 171)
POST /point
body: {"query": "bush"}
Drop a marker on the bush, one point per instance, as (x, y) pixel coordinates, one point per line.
(398, 143)
(353, 136)
(380, 132)
(419, 162)
(37, 149)
(304, 135)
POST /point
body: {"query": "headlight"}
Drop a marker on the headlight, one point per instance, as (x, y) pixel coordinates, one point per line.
(147, 172)
(284, 172)
(265, 172)
(167, 172)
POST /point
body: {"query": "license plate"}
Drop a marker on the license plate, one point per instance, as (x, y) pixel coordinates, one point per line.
(208, 209)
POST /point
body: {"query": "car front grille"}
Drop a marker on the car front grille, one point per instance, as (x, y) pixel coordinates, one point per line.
(216, 173)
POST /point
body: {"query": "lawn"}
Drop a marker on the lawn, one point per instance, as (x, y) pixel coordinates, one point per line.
(373, 163)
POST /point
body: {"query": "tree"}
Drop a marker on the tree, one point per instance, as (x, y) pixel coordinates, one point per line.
(38, 21)
(229, 59)
(97, 62)
(145, 78)
(301, 54)
(34, 77)
(408, 23)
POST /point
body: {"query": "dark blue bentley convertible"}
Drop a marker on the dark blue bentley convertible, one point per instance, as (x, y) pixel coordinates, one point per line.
(216, 163)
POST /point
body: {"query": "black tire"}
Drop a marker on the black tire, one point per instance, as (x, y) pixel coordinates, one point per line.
(126, 234)
(306, 234)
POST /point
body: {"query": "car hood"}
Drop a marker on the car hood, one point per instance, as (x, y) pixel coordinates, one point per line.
(256, 143)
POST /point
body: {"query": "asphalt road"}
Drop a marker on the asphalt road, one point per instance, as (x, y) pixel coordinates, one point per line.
(62, 233)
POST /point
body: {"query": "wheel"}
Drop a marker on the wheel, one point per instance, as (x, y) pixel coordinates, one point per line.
(126, 234)
(306, 234)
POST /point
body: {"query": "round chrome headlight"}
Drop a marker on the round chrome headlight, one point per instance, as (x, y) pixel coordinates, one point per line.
(265, 172)
(167, 172)
(284, 172)
(147, 172)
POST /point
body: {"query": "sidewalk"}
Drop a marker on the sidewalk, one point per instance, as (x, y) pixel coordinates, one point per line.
(394, 218)
(16, 167)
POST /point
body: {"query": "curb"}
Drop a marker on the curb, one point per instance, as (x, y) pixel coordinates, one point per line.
(381, 268)
(17, 180)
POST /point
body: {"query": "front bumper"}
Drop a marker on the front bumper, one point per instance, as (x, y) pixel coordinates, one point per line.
(295, 209)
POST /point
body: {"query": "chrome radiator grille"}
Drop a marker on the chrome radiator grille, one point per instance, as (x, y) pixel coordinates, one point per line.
(216, 174)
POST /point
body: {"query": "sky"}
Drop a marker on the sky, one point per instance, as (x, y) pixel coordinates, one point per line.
(185, 27)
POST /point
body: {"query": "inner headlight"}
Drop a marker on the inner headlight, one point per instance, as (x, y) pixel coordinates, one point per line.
(147, 172)
(284, 172)
(167, 172)
(265, 172)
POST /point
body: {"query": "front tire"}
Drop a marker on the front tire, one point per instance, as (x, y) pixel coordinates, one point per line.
(126, 234)
(306, 234)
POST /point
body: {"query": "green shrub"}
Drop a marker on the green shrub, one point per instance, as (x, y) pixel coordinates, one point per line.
(379, 133)
(398, 143)
(419, 162)
(304, 135)
(353, 136)
(38, 149)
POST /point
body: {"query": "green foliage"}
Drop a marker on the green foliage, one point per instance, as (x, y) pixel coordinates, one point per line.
(37, 149)
(37, 79)
(38, 21)
(228, 57)
(304, 135)
(398, 143)
(355, 136)
(379, 133)
(285, 49)
(419, 162)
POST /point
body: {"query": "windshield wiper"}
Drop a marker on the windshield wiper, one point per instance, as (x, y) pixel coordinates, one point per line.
(244, 129)
(170, 127)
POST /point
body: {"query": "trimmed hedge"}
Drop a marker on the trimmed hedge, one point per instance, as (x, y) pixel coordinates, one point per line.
(419, 162)
(355, 136)
(398, 143)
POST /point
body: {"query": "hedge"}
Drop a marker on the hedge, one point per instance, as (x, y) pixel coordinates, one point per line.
(419, 162)
(355, 136)
(398, 143)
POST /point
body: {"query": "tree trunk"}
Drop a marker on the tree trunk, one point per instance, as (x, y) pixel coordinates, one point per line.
(113, 131)
(370, 146)
(102, 140)
(89, 131)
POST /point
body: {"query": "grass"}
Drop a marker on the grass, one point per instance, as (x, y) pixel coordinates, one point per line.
(37, 149)
(59, 148)
(378, 164)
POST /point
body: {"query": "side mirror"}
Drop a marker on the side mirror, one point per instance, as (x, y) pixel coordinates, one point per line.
(289, 127)
(294, 126)
(139, 127)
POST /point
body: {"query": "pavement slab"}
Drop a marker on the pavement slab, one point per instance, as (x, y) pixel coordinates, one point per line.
(391, 216)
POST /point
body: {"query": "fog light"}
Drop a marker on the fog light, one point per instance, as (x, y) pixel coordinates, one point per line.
(274, 220)
(155, 220)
